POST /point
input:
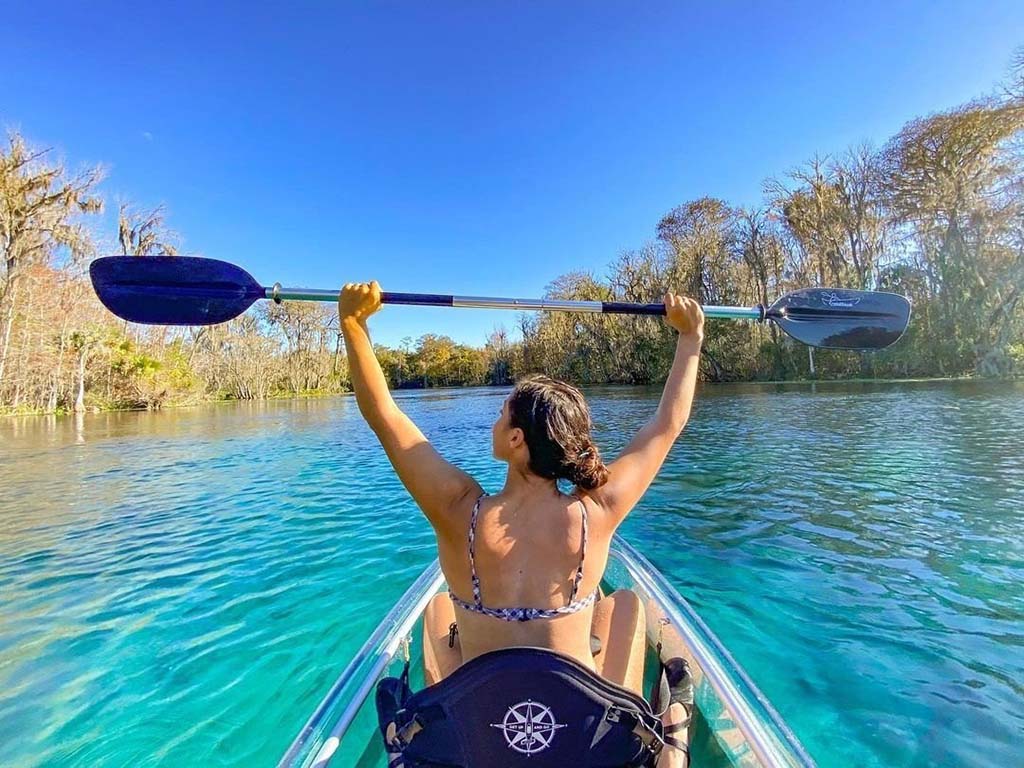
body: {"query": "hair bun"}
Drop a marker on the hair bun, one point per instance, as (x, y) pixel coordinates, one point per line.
(589, 472)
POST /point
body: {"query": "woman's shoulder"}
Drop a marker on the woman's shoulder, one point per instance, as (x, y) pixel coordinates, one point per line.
(597, 515)
(455, 522)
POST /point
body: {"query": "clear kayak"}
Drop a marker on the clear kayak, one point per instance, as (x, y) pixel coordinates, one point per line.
(734, 723)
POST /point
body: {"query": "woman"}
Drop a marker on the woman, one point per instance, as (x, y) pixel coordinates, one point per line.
(523, 566)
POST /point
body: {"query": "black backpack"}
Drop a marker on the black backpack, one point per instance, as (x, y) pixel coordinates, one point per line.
(519, 707)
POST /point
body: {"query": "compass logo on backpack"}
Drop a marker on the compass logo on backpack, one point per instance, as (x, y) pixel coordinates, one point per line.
(529, 727)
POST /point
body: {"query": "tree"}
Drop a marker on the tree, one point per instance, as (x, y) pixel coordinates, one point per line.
(500, 356)
(307, 329)
(242, 359)
(703, 263)
(144, 234)
(82, 342)
(834, 211)
(39, 208)
(955, 181)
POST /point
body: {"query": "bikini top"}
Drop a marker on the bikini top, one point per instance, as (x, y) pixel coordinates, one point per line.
(523, 614)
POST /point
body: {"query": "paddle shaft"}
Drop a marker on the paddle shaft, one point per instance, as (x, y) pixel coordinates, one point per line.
(277, 293)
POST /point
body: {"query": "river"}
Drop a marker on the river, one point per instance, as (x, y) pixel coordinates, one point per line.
(181, 588)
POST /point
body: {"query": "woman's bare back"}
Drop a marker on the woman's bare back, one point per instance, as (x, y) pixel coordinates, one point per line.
(527, 552)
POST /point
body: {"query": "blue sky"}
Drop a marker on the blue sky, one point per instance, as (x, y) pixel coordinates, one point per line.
(470, 148)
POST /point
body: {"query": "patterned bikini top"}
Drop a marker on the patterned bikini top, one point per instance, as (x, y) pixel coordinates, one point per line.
(523, 614)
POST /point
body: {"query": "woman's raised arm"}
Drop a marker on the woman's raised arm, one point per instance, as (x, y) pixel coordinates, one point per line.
(436, 485)
(632, 472)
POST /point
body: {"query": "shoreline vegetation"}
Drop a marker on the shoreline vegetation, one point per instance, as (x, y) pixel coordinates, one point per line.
(936, 214)
(653, 385)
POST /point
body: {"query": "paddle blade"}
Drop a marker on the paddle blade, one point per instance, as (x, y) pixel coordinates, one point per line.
(835, 318)
(173, 290)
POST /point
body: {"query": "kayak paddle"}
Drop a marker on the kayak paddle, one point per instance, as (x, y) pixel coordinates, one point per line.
(176, 290)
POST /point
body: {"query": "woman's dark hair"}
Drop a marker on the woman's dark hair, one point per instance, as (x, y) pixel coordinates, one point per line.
(555, 419)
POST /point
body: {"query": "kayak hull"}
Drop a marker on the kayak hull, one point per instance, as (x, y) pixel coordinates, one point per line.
(734, 723)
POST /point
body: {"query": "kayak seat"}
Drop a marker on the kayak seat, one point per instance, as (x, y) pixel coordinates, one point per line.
(519, 707)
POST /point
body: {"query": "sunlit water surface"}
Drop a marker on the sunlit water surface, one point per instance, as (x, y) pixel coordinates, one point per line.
(181, 588)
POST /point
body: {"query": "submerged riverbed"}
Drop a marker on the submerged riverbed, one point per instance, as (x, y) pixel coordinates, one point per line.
(181, 588)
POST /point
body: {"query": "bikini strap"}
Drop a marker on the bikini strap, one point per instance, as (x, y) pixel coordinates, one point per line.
(472, 552)
(477, 599)
(583, 554)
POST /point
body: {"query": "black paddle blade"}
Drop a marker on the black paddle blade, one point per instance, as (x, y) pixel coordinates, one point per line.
(835, 318)
(173, 290)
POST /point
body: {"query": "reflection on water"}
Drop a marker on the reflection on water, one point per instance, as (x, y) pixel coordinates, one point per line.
(182, 587)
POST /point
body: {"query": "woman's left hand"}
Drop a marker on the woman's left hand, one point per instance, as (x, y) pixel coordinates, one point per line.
(359, 300)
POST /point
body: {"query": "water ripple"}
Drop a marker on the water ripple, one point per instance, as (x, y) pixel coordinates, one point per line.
(181, 588)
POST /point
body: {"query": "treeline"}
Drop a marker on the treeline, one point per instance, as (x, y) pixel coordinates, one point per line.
(937, 214)
(61, 350)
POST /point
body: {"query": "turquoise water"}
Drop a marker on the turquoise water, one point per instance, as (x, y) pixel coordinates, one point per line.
(181, 588)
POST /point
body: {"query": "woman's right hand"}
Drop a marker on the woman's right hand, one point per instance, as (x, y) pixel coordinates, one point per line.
(685, 315)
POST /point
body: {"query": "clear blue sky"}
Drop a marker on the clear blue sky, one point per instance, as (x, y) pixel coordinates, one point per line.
(473, 148)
